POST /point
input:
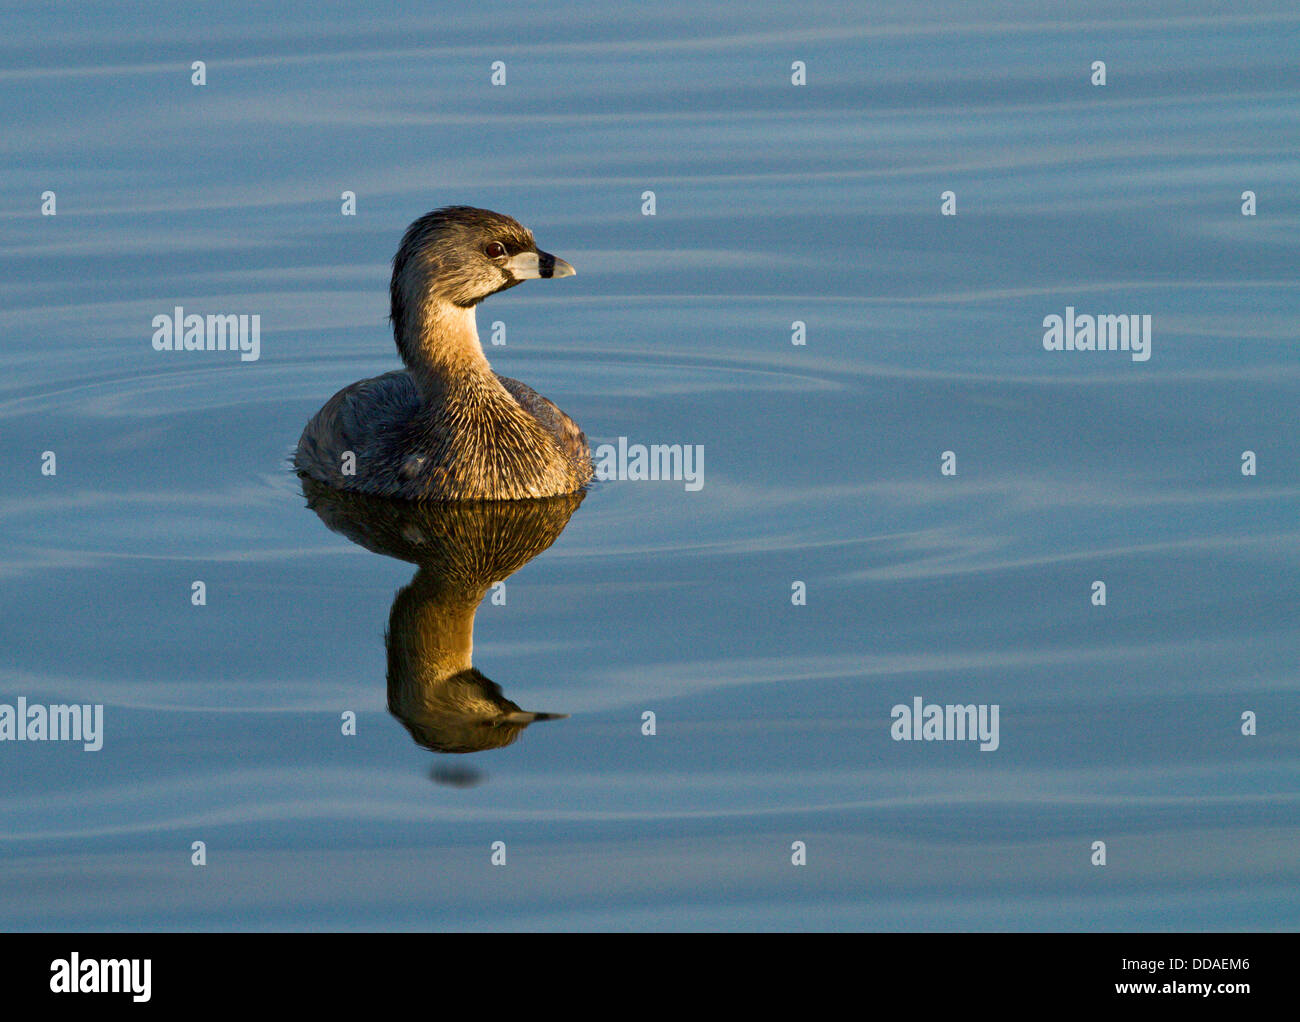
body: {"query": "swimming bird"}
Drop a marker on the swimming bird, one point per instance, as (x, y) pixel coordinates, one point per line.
(448, 427)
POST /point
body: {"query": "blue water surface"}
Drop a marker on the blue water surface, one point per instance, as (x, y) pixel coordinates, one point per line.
(774, 204)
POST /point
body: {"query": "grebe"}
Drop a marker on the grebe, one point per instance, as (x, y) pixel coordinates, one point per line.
(448, 427)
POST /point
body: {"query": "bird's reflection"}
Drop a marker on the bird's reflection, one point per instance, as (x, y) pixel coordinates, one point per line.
(461, 549)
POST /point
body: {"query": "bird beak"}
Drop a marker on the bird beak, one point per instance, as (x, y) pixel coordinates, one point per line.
(525, 717)
(528, 265)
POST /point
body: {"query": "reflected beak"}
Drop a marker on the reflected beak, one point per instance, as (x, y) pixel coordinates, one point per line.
(528, 265)
(524, 716)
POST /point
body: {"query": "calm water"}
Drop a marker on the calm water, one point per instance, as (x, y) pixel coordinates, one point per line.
(774, 203)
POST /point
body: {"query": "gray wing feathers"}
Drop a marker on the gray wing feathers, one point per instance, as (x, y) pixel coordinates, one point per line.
(352, 420)
(572, 440)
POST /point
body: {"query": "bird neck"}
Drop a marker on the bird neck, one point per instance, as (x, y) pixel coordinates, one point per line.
(443, 352)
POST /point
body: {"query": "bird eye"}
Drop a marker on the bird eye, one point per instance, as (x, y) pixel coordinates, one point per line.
(495, 250)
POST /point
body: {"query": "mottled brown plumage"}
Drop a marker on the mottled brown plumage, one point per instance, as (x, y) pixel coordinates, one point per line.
(448, 427)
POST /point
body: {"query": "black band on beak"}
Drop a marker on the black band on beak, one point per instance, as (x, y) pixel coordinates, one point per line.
(546, 264)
